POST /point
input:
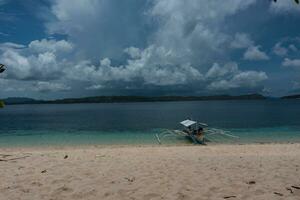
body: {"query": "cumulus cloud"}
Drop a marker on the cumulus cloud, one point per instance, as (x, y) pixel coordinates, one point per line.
(10, 45)
(42, 86)
(184, 39)
(254, 53)
(231, 77)
(103, 27)
(279, 50)
(11, 86)
(192, 29)
(133, 52)
(44, 45)
(187, 36)
(42, 66)
(286, 46)
(189, 29)
(249, 79)
(37, 64)
(293, 47)
(152, 67)
(295, 63)
(241, 41)
(217, 71)
(95, 87)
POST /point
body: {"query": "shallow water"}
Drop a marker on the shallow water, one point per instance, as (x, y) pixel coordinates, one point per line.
(137, 123)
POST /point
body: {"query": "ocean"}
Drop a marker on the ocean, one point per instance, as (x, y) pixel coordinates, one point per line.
(253, 121)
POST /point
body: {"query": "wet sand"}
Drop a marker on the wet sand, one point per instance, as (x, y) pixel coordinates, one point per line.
(265, 171)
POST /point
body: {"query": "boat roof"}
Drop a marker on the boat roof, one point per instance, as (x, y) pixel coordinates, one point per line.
(188, 123)
(202, 124)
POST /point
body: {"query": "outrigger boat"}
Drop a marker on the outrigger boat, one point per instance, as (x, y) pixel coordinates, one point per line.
(196, 132)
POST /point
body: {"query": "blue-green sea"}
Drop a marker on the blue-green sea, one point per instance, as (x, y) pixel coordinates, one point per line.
(254, 121)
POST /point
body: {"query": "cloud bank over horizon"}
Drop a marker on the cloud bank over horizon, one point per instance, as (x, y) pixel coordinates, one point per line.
(160, 47)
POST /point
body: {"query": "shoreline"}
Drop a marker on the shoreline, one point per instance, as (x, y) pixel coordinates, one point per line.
(113, 146)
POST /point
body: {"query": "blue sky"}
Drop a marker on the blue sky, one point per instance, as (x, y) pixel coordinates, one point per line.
(63, 48)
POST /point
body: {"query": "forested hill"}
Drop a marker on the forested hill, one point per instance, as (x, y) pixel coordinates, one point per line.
(297, 96)
(120, 99)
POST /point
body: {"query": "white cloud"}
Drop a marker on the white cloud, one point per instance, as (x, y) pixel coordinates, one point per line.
(247, 79)
(40, 60)
(286, 46)
(23, 88)
(95, 87)
(99, 28)
(217, 71)
(41, 46)
(105, 62)
(293, 47)
(42, 86)
(241, 41)
(10, 45)
(133, 52)
(152, 67)
(279, 50)
(291, 63)
(221, 85)
(191, 29)
(254, 53)
(187, 37)
(18, 64)
(230, 77)
(42, 66)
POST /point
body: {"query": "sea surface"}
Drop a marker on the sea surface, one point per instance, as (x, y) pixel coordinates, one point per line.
(253, 121)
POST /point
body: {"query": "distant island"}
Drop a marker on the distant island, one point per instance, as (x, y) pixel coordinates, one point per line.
(124, 99)
(297, 96)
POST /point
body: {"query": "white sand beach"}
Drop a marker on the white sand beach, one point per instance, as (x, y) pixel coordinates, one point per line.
(268, 171)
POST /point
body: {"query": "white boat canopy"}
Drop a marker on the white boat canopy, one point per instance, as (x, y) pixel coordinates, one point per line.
(188, 123)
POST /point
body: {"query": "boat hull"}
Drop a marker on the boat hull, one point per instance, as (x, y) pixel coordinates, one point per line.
(196, 139)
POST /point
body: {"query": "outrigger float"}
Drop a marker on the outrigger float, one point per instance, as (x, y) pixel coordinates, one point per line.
(196, 132)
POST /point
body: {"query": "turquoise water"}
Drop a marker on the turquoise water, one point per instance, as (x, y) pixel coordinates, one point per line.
(137, 123)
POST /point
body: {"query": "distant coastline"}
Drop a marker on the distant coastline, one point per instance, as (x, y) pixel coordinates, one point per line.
(125, 99)
(297, 96)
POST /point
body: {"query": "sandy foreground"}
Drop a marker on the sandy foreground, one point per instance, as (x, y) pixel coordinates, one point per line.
(270, 171)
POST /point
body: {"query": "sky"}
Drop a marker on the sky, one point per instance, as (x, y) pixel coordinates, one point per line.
(74, 48)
